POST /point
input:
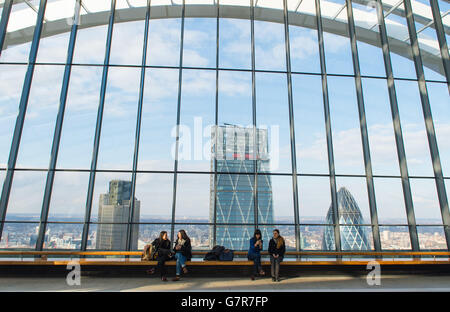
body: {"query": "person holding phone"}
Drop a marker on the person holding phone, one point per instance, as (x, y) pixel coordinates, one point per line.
(277, 249)
(183, 253)
(254, 253)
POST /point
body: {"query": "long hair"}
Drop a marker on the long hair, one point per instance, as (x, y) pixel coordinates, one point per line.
(257, 231)
(161, 235)
(184, 235)
(280, 241)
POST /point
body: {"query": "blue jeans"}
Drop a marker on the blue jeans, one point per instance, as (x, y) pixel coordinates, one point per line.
(256, 258)
(180, 262)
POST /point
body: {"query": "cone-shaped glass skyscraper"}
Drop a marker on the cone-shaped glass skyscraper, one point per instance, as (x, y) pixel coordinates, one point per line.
(353, 236)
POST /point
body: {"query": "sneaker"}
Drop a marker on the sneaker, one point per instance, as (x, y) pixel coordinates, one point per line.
(176, 278)
(164, 279)
(185, 270)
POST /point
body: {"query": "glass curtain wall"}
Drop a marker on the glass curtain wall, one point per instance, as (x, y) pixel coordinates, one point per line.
(121, 119)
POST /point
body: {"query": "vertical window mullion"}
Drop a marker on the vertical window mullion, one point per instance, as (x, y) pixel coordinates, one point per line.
(291, 127)
(363, 127)
(428, 119)
(326, 103)
(98, 128)
(6, 13)
(177, 143)
(131, 225)
(6, 190)
(58, 129)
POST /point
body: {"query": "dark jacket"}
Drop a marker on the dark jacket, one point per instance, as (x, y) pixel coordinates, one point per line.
(162, 247)
(277, 251)
(254, 251)
(186, 249)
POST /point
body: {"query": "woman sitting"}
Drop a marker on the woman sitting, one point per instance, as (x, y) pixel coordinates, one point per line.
(183, 253)
(162, 247)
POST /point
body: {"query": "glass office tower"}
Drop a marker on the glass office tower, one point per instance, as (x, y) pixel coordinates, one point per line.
(237, 151)
(114, 208)
(353, 236)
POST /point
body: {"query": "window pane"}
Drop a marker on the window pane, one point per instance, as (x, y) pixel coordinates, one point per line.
(119, 119)
(369, 46)
(413, 127)
(149, 232)
(16, 47)
(68, 199)
(111, 237)
(234, 237)
(53, 48)
(26, 208)
(390, 201)
(303, 39)
(19, 235)
(235, 95)
(439, 101)
(353, 201)
(270, 51)
(193, 197)
(234, 199)
(395, 238)
(199, 235)
(275, 199)
(286, 231)
(310, 135)
(39, 126)
(428, 43)
(112, 190)
(347, 146)
(426, 204)
(401, 53)
(431, 237)
(338, 53)
(314, 199)
(383, 152)
(356, 238)
(317, 238)
(127, 41)
(235, 42)
(197, 118)
(91, 41)
(80, 117)
(63, 236)
(273, 115)
(164, 40)
(159, 117)
(155, 192)
(199, 46)
(11, 82)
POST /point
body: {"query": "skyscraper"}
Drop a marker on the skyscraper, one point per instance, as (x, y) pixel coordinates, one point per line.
(114, 207)
(353, 236)
(237, 151)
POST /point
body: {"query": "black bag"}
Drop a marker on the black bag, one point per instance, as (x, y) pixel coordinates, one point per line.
(214, 254)
(226, 255)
